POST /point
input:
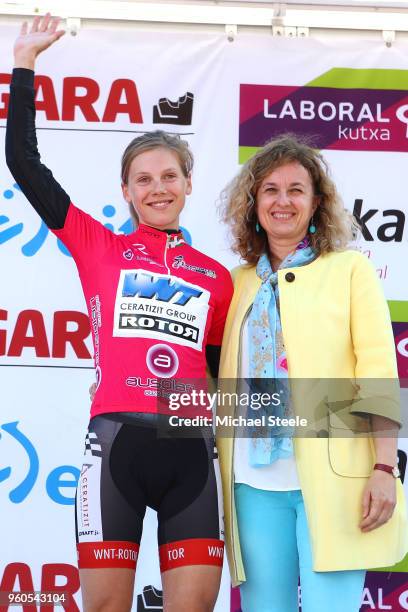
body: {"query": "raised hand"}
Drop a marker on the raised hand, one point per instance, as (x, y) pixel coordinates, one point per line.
(32, 41)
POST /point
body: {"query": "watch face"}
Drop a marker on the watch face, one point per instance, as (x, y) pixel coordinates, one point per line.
(395, 472)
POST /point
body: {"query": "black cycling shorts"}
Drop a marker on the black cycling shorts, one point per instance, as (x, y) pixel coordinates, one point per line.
(131, 462)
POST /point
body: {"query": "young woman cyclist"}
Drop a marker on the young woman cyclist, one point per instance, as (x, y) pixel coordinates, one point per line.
(142, 292)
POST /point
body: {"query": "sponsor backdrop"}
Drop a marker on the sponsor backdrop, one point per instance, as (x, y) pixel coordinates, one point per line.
(95, 92)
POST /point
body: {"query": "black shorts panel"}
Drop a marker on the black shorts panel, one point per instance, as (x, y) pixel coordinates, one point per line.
(130, 464)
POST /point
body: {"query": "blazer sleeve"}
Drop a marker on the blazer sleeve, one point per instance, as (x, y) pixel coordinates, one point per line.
(373, 342)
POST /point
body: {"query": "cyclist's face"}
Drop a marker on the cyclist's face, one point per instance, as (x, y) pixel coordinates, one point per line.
(157, 188)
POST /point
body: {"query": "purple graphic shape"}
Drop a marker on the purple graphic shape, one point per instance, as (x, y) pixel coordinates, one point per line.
(257, 130)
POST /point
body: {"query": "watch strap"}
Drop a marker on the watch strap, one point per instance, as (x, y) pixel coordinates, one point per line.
(390, 469)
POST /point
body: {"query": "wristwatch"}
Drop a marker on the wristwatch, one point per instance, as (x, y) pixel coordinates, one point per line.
(390, 469)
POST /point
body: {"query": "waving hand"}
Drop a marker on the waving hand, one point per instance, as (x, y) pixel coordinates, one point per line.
(32, 41)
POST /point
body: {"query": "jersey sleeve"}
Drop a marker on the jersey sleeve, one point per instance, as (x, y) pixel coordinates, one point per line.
(35, 180)
(223, 299)
(85, 238)
(82, 235)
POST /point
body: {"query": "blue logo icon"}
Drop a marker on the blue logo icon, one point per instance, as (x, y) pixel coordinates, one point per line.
(58, 479)
(163, 289)
(34, 243)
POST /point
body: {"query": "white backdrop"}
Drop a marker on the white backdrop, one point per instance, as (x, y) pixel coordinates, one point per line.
(44, 378)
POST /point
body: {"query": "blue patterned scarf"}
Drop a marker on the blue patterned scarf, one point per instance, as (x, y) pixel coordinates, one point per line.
(268, 368)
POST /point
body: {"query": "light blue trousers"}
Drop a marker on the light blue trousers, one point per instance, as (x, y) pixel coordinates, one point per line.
(276, 551)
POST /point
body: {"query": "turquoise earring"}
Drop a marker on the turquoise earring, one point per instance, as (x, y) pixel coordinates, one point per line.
(258, 227)
(312, 227)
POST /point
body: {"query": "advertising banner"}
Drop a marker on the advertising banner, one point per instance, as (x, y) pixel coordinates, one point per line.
(95, 92)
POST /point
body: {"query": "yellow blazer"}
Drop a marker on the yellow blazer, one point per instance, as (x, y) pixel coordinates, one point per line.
(335, 324)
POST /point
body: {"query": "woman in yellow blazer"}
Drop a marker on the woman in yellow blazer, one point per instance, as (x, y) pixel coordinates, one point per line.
(327, 504)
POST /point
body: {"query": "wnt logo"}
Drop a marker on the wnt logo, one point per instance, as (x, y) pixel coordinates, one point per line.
(56, 481)
(162, 288)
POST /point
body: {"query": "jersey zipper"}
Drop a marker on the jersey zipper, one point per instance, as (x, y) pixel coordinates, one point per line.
(165, 254)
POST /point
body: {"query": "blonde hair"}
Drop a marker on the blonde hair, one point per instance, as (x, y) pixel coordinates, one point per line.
(155, 140)
(335, 226)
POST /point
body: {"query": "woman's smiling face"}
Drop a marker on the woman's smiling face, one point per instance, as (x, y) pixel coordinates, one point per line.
(285, 203)
(157, 188)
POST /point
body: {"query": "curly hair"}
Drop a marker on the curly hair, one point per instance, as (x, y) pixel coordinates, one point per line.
(335, 226)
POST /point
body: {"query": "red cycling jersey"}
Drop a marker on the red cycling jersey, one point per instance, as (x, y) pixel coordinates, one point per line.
(154, 302)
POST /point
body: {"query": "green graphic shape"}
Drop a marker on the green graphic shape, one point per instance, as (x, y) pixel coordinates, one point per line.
(246, 153)
(398, 311)
(362, 78)
(402, 566)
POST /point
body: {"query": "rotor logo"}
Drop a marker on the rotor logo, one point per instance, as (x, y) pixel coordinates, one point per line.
(140, 247)
(162, 360)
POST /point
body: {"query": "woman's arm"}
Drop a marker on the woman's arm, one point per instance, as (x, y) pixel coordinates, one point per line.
(377, 377)
(379, 497)
(385, 433)
(23, 159)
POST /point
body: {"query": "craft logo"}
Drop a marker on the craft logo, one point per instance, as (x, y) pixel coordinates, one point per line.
(344, 109)
(161, 307)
